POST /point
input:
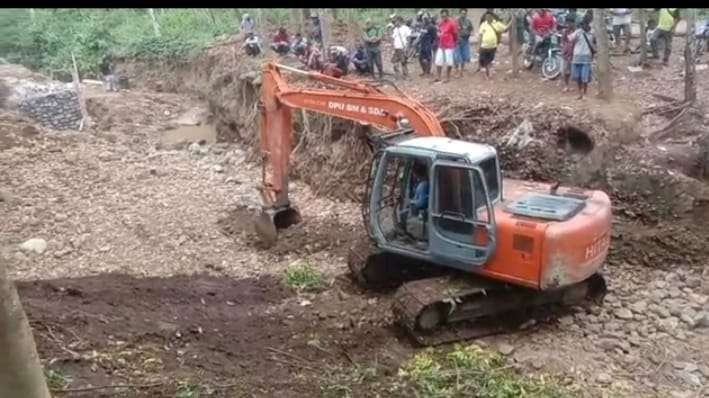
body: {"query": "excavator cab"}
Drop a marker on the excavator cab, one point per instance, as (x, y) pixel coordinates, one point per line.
(455, 226)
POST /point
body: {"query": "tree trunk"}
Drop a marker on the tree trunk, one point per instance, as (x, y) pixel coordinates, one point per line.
(605, 81)
(297, 19)
(514, 45)
(643, 36)
(156, 27)
(325, 29)
(85, 119)
(690, 67)
(20, 370)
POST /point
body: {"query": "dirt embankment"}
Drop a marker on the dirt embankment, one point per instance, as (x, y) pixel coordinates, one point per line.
(539, 136)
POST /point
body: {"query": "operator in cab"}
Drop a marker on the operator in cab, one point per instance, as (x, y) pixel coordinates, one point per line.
(420, 200)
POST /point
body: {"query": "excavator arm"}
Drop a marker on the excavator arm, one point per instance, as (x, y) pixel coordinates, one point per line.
(352, 100)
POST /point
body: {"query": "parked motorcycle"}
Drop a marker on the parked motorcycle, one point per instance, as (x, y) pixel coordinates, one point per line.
(547, 55)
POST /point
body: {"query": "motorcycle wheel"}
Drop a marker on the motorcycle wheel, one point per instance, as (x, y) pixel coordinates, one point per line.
(551, 67)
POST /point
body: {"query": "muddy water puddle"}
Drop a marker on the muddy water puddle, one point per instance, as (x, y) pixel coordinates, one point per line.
(189, 134)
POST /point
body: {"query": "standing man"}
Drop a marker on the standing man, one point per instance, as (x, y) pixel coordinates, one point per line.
(582, 57)
(429, 35)
(400, 34)
(447, 37)
(667, 21)
(462, 48)
(372, 38)
(247, 24)
(621, 22)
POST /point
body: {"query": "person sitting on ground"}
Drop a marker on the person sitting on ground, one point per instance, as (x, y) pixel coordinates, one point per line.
(252, 45)
(421, 192)
(338, 62)
(280, 42)
(567, 49)
(582, 57)
(490, 31)
(360, 61)
(299, 45)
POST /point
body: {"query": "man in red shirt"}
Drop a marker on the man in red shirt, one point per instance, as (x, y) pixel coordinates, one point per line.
(447, 38)
(543, 23)
(281, 42)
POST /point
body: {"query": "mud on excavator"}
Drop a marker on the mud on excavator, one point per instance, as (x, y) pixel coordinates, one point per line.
(458, 242)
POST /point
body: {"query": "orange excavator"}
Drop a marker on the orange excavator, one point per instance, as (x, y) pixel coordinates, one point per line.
(458, 248)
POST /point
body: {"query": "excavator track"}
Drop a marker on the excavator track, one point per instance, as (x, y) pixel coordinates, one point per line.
(437, 305)
(451, 308)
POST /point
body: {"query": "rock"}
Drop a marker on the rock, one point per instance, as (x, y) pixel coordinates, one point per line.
(537, 363)
(505, 349)
(702, 319)
(218, 168)
(681, 394)
(7, 197)
(704, 370)
(34, 245)
(689, 316)
(639, 307)
(566, 320)
(623, 313)
(675, 307)
(695, 298)
(690, 378)
(690, 367)
(604, 378)
(608, 344)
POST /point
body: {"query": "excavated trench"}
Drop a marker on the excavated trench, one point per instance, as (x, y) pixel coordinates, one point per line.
(543, 143)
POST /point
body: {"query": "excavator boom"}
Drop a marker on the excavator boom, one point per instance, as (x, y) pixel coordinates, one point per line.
(352, 100)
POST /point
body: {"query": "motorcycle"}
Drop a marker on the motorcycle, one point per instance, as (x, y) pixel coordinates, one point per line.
(547, 55)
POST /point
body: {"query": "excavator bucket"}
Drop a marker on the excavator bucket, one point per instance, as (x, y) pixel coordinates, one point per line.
(269, 221)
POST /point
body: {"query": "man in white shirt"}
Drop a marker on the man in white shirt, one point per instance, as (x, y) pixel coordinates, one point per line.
(400, 34)
(621, 22)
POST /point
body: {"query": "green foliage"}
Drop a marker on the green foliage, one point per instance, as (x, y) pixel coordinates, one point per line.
(303, 277)
(56, 380)
(469, 371)
(187, 390)
(339, 382)
(47, 41)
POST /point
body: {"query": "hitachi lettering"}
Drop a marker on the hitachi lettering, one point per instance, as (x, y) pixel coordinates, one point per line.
(597, 247)
(370, 110)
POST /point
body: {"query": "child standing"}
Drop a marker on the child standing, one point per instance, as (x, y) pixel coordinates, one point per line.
(567, 50)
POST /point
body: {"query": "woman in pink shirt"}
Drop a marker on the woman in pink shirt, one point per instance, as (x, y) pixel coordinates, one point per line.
(447, 38)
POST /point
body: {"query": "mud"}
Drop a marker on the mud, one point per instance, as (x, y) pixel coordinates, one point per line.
(187, 134)
(249, 333)
(307, 237)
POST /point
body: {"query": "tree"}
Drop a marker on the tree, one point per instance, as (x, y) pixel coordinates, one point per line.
(643, 35)
(324, 17)
(156, 27)
(297, 19)
(690, 68)
(514, 45)
(20, 370)
(605, 83)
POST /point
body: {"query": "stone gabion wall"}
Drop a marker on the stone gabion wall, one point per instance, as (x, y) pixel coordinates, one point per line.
(59, 110)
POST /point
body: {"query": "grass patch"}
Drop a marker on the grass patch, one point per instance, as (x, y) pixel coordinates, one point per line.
(470, 371)
(56, 380)
(304, 278)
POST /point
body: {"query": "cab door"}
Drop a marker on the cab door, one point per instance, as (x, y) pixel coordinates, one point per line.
(462, 234)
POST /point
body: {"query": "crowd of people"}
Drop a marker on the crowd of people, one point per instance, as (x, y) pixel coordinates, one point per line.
(444, 41)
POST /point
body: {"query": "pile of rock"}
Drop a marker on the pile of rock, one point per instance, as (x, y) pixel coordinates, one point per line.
(59, 110)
